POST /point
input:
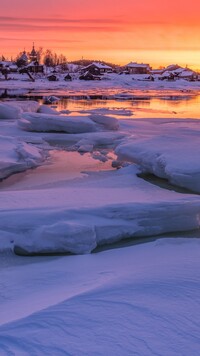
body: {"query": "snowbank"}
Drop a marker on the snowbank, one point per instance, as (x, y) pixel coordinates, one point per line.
(69, 124)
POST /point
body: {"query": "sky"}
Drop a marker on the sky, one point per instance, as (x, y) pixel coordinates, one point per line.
(149, 31)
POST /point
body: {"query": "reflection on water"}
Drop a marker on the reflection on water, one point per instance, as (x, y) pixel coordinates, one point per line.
(151, 108)
(61, 167)
(142, 104)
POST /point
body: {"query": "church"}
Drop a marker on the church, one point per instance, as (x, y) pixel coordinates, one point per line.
(30, 61)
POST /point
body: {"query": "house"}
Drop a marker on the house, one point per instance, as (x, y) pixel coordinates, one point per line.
(68, 77)
(188, 74)
(137, 68)
(97, 68)
(52, 78)
(167, 76)
(89, 76)
(172, 67)
(8, 66)
(35, 67)
(157, 71)
(22, 60)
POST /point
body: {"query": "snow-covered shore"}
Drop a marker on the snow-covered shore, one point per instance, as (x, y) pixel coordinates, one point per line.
(112, 83)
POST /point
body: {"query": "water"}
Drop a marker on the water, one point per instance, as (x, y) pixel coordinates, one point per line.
(140, 108)
(60, 167)
(142, 104)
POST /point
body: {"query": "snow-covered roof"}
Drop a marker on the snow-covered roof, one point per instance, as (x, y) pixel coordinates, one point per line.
(13, 66)
(172, 67)
(24, 57)
(137, 65)
(6, 63)
(178, 70)
(33, 63)
(99, 65)
(186, 73)
(166, 74)
(157, 71)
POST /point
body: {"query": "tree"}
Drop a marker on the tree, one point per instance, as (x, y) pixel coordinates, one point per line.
(40, 54)
(48, 58)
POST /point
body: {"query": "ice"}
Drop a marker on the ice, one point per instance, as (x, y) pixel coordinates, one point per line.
(59, 238)
(106, 122)
(141, 299)
(116, 205)
(106, 111)
(70, 124)
(25, 106)
(17, 156)
(44, 109)
(8, 111)
(13, 109)
(168, 152)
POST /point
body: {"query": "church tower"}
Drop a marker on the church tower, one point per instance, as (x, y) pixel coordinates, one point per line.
(33, 55)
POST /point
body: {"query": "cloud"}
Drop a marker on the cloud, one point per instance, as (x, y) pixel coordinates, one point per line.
(23, 24)
(51, 20)
(10, 39)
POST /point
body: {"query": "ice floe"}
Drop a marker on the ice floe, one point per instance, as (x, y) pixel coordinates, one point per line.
(69, 124)
(17, 156)
(171, 151)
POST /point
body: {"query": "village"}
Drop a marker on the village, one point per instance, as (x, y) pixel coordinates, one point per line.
(28, 66)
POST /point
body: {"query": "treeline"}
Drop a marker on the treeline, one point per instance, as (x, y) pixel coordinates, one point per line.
(52, 59)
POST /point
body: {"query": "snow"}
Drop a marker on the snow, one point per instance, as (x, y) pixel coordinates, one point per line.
(105, 111)
(140, 299)
(16, 156)
(70, 124)
(168, 153)
(99, 65)
(115, 85)
(116, 205)
(13, 109)
(9, 112)
(44, 109)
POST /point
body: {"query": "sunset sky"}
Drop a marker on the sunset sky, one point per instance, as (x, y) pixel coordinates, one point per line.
(150, 31)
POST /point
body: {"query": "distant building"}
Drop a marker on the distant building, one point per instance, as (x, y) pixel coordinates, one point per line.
(22, 60)
(188, 74)
(30, 61)
(33, 56)
(137, 68)
(35, 67)
(10, 66)
(97, 68)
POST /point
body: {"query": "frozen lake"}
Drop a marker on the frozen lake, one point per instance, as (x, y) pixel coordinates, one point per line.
(61, 195)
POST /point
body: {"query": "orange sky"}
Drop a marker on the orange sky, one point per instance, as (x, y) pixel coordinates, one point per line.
(152, 31)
